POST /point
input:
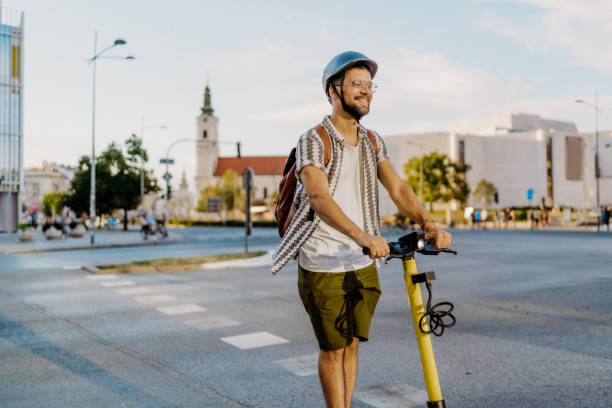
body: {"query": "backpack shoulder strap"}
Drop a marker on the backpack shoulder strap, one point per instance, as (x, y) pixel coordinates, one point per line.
(326, 142)
(373, 141)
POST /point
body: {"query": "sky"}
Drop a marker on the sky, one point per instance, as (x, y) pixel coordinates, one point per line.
(440, 64)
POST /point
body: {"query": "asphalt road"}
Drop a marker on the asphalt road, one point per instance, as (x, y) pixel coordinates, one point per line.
(534, 329)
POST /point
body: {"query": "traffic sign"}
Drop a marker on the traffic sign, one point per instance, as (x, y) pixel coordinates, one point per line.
(166, 161)
(213, 204)
(167, 176)
(530, 194)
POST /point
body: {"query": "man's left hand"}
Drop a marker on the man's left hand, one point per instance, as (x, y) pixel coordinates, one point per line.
(442, 238)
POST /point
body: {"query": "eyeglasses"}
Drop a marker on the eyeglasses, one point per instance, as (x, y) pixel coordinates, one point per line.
(358, 83)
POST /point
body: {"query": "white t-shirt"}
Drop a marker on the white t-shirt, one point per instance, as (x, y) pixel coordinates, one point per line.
(327, 249)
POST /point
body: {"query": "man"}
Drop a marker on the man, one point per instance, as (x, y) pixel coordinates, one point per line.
(336, 216)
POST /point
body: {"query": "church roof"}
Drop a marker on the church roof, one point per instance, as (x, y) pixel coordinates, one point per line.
(260, 164)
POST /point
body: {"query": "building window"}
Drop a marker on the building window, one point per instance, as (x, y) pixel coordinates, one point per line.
(573, 158)
(205, 134)
(265, 192)
(461, 153)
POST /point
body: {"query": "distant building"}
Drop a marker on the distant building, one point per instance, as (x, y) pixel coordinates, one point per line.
(39, 181)
(182, 201)
(210, 167)
(11, 121)
(517, 153)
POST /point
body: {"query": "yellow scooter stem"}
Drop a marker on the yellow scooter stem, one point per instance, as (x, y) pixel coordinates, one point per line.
(428, 361)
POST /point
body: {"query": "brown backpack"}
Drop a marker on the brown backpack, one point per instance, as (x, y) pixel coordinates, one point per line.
(284, 209)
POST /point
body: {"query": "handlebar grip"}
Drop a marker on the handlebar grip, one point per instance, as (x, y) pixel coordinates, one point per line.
(365, 250)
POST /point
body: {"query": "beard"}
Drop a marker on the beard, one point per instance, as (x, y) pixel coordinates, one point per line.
(355, 110)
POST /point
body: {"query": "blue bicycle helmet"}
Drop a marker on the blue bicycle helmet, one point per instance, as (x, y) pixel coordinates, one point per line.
(343, 62)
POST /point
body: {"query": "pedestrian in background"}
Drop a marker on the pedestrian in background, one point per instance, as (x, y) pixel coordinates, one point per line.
(605, 217)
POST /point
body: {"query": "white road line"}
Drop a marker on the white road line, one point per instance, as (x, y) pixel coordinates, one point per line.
(155, 299)
(114, 284)
(301, 365)
(392, 395)
(180, 309)
(133, 291)
(254, 340)
(101, 277)
(212, 323)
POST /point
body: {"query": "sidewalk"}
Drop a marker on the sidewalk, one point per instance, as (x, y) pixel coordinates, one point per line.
(9, 244)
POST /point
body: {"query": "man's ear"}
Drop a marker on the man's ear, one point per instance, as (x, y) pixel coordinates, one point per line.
(332, 91)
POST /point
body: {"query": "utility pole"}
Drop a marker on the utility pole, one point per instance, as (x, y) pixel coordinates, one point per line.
(247, 183)
(597, 170)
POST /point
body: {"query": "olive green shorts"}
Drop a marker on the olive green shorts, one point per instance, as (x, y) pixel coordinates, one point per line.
(340, 304)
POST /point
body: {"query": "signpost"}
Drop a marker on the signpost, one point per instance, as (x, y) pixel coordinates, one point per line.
(247, 184)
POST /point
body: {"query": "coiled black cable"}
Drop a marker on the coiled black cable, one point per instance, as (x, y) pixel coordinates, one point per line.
(436, 315)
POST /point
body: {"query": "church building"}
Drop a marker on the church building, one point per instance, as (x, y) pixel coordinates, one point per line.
(210, 166)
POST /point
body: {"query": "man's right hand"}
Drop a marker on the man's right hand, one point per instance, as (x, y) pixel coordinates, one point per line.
(377, 245)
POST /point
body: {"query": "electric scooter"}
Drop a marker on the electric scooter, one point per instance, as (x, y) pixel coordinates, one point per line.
(427, 319)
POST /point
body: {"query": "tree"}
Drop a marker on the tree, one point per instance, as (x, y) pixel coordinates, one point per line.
(117, 180)
(443, 179)
(229, 187)
(485, 192)
(53, 202)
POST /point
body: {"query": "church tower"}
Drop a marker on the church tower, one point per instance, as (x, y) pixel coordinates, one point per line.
(207, 148)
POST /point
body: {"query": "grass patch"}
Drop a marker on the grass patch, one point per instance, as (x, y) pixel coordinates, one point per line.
(166, 264)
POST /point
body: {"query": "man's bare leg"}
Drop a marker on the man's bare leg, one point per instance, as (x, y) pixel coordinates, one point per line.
(331, 375)
(350, 370)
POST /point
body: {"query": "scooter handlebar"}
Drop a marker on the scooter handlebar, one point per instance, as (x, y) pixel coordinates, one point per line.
(428, 248)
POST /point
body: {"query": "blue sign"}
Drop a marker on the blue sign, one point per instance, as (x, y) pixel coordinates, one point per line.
(530, 194)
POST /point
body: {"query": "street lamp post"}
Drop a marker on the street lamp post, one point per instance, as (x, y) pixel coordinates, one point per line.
(92, 166)
(142, 129)
(597, 170)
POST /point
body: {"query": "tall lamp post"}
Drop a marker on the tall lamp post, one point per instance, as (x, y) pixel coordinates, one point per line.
(597, 170)
(142, 129)
(92, 166)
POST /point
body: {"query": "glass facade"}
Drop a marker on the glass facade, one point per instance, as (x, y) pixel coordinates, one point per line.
(11, 117)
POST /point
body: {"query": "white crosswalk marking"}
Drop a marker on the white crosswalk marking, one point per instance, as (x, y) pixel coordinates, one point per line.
(133, 291)
(113, 284)
(254, 340)
(212, 323)
(181, 309)
(392, 395)
(300, 365)
(101, 277)
(155, 299)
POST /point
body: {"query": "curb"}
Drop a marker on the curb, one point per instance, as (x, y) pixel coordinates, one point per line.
(76, 248)
(90, 269)
(262, 260)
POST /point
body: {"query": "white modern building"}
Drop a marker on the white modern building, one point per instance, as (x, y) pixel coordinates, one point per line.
(517, 153)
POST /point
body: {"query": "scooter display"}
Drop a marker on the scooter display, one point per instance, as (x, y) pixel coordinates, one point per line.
(427, 319)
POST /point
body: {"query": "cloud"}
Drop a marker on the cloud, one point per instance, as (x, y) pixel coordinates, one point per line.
(314, 111)
(428, 78)
(580, 28)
